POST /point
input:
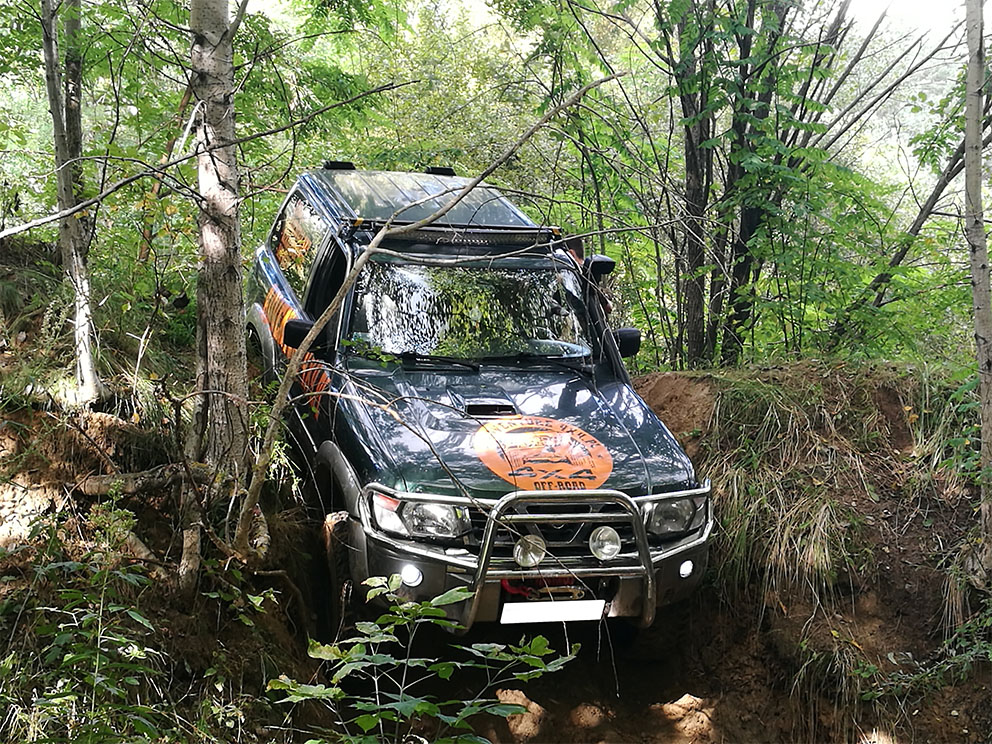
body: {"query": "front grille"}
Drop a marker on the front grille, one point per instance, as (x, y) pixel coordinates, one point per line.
(565, 539)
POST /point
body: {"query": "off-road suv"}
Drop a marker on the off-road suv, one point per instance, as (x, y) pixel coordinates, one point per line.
(466, 414)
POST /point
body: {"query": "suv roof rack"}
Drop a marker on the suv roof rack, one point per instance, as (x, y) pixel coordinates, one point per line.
(339, 165)
(440, 170)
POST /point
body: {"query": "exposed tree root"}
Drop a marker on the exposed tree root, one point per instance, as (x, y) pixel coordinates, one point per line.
(144, 481)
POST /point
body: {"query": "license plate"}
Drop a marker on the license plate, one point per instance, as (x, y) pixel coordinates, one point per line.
(556, 611)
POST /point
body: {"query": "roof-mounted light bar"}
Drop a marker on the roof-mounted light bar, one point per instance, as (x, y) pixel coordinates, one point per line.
(464, 234)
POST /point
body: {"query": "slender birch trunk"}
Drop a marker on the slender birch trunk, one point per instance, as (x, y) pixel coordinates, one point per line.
(75, 231)
(219, 436)
(978, 249)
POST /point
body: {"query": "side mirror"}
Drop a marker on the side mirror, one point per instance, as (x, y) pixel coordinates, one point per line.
(628, 341)
(295, 331)
(599, 266)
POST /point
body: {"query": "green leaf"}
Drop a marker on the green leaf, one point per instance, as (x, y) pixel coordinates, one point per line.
(503, 710)
(325, 652)
(366, 722)
(137, 617)
(443, 669)
(452, 596)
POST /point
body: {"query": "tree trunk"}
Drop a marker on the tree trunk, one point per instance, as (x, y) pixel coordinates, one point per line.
(219, 435)
(742, 279)
(749, 112)
(978, 248)
(697, 130)
(74, 231)
(694, 281)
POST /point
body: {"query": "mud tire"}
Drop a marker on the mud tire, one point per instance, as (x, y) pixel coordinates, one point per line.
(340, 605)
(260, 372)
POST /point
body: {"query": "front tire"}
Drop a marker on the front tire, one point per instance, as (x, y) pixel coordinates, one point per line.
(340, 590)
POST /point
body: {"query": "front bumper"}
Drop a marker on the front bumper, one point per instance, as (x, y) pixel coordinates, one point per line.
(633, 584)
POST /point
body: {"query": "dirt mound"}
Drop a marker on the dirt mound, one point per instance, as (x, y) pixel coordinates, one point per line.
(684, 403)
(43, 454)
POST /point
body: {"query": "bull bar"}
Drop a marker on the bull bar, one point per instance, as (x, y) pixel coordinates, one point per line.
(502, 514)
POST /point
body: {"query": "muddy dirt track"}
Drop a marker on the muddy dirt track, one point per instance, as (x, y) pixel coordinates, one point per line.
(683, 680)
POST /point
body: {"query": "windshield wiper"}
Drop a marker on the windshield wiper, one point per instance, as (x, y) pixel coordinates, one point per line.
(576, 364)
(413, 357)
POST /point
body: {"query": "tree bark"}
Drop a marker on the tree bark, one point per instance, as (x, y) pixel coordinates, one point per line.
(74, 230)
(754, 109)
(698, 176)
(219, 435)
(981, 291)
(695, 47)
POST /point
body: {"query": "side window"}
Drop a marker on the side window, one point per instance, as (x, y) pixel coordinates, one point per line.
(297, 237)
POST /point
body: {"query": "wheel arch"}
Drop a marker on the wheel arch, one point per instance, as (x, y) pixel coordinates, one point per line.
(257, 327)
(338, 486)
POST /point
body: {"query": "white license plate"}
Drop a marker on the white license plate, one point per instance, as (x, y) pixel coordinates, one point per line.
(555, 611)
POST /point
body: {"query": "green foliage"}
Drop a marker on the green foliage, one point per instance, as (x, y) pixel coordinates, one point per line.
(381, 660)
(84, 667)
(85, 637)
(234, 594)
(964, 456)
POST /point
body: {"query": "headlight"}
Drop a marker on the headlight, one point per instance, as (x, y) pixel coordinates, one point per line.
(434, 520)
(419, 519)
(675, 516)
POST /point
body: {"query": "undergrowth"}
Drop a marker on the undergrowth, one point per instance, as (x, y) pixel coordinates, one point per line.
(793, 452)
(93, 649)
(81, 662)
(809, 462)
(86, 654)
(384, 688)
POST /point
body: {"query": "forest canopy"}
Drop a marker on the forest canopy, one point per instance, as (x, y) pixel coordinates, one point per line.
(774, 179)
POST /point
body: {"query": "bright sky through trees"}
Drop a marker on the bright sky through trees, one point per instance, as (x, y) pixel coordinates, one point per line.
(911, 14)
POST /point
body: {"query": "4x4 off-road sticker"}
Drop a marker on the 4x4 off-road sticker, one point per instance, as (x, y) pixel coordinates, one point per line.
(542, 454)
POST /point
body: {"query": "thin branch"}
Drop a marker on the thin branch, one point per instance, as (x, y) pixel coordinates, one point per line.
(159, 171)
(238, 17)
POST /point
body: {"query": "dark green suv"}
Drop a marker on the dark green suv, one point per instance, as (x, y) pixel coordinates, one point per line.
(466, 415)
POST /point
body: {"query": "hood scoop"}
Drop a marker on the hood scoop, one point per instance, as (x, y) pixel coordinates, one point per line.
(481, 401)
(483, 408)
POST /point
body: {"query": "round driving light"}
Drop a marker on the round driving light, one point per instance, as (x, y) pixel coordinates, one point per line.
(685, 570)
(411, 575)
(529, 551)
(604, 542)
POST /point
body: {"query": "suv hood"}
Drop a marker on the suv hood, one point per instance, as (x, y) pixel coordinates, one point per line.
(506, 428)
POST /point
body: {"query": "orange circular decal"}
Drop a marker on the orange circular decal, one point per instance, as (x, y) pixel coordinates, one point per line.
(541, 454)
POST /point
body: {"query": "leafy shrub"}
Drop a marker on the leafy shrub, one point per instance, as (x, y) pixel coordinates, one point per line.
(380, 659)
(81, 668)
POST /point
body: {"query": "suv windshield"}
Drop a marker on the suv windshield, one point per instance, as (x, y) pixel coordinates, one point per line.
(469, 312)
